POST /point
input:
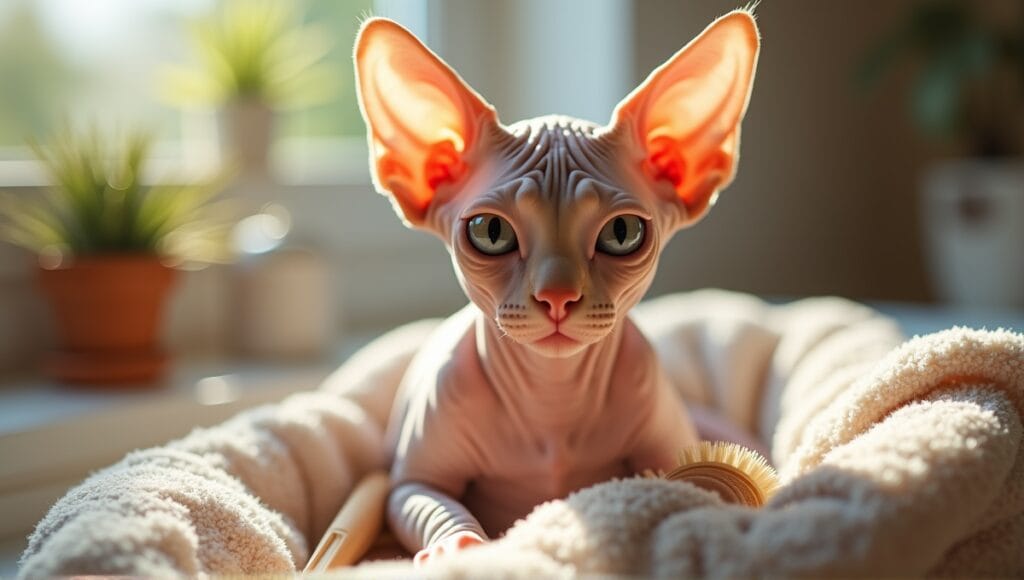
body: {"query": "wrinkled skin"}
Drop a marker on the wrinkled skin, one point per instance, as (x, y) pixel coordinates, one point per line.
(542, 385)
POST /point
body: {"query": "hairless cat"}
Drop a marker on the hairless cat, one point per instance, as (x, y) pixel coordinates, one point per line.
(543, 385)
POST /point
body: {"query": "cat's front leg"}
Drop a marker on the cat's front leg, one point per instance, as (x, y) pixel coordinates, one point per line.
(436, 457)
(424, 517)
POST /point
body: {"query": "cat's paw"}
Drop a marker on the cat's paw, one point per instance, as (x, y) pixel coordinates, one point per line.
(453, 543)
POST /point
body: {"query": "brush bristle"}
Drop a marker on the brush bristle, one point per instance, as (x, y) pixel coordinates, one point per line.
(748, 462)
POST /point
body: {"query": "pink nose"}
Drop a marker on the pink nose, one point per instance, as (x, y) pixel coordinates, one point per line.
(558, 301)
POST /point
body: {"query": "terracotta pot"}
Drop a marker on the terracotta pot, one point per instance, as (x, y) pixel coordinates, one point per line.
(108, 312)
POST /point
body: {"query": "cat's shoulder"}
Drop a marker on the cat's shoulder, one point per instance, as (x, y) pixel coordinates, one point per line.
(449, 336)
(636, 361)
(447, 367)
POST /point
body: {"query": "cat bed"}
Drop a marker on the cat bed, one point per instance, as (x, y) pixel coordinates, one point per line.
(896, 459)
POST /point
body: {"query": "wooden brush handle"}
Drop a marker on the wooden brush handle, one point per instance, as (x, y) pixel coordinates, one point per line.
(356, 526)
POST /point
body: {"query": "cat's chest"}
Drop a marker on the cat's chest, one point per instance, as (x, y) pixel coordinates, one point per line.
(556, 441)
(522, 472)
(553, 461)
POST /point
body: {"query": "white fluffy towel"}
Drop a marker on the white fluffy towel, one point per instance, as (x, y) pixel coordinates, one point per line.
(896, 460)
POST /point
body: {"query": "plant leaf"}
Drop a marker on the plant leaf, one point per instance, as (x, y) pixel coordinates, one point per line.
(98, 204)
(936, 98)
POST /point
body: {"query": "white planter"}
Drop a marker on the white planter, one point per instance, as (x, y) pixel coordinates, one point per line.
(284, 305)
(246, 129)
(974, 227)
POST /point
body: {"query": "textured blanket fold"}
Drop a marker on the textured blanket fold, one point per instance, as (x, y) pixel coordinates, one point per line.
(897, 459)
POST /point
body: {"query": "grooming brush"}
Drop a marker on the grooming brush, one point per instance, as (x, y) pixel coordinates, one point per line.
(737, 474)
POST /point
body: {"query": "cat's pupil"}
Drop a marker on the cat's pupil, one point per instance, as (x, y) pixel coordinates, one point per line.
(494, 229)
(619, 228)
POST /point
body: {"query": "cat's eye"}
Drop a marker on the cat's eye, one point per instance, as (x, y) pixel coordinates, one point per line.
(622, 235)
(491, 234)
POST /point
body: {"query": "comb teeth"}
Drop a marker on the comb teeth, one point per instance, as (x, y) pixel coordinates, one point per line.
(724, 466)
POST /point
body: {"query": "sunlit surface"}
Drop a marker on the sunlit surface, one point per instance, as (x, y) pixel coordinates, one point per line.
(217, 390)
(263, 232)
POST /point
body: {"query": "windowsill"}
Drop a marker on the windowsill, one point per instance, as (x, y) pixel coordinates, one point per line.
(920, 319)
(34, 403)
(309, 161)
(53, 436)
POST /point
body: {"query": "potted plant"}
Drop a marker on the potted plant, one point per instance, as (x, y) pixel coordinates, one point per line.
(254, 58)
(967, 93)
(107, 243)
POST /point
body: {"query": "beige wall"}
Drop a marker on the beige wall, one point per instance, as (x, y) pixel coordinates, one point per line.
(825, 200)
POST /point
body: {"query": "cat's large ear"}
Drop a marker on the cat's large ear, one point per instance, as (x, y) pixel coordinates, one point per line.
(685, 118)
(422, 119)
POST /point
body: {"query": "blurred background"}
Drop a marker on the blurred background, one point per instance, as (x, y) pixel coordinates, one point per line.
(881, 161)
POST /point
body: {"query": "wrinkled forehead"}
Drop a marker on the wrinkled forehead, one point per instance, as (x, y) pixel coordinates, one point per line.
(558, 160)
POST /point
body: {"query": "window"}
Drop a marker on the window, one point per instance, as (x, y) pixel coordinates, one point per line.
(99, 62)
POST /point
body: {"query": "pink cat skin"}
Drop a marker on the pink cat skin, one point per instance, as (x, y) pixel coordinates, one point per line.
(542, 385)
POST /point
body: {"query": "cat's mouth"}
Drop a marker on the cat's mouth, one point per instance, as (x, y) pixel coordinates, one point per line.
(557, 339)
(557, 344)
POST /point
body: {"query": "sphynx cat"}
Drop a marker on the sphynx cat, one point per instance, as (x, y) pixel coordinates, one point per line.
(542, 385)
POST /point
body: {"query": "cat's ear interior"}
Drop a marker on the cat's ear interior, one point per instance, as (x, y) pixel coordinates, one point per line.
(686, 116)
(422, 119)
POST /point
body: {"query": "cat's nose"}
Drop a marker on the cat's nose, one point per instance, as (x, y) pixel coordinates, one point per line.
(558, 301)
